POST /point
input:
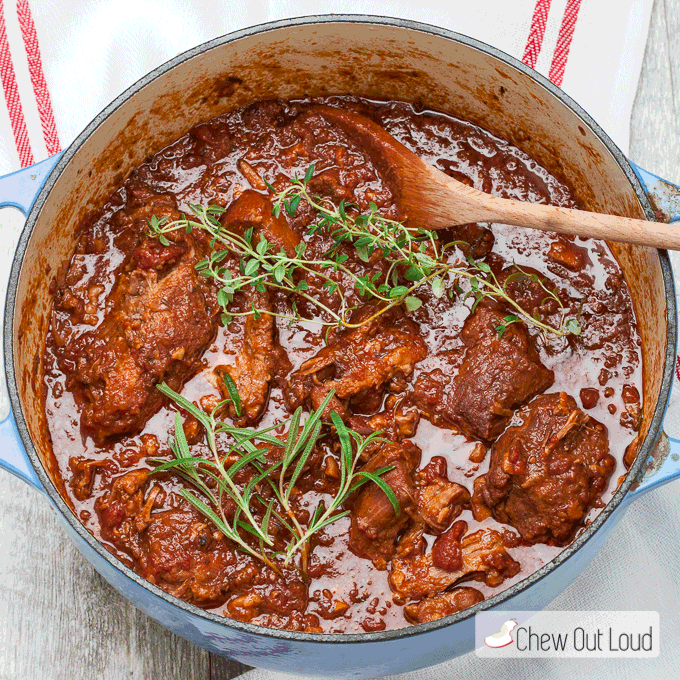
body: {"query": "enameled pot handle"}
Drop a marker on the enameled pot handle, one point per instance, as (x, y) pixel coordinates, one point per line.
(663, 465)
(663, 195)
(18, 190)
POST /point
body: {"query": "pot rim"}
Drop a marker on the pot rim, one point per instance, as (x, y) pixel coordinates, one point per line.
(653, 433)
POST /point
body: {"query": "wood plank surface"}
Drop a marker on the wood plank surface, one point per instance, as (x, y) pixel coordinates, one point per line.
(60, 621)
(222, 668)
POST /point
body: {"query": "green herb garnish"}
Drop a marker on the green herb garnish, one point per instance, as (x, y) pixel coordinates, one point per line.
(242, 448)
(413, 259)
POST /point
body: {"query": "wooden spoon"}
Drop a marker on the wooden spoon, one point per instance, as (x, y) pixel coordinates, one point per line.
(431, 199)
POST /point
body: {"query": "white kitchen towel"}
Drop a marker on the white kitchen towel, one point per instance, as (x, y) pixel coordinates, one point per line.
(62, 61)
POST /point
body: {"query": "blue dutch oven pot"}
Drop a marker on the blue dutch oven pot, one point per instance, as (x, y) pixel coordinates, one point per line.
(374, 57)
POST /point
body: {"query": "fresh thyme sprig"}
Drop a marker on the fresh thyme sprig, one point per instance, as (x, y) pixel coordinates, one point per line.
(258, 262)
(214, 477)
(410, 259)
(414, 254)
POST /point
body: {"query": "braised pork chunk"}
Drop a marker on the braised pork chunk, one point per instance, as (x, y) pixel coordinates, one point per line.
(498, 373)
(546, 473)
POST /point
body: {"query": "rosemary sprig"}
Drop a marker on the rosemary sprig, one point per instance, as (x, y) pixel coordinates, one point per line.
(410, 259)
(214, 477)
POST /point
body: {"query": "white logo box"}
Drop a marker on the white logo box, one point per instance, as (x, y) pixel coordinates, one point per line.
(567, 634)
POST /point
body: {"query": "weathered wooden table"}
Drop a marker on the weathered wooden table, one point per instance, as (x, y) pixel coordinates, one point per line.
(59, 620)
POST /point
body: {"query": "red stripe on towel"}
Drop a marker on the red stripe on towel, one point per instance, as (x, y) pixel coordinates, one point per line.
(559, 60)
(536, 33)
(9, 85)
(42, 95)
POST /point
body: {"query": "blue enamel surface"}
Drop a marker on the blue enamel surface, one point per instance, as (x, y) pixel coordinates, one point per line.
(319, 657)
(13, 456)
(666, 472)
(19, 190)
(664, 195)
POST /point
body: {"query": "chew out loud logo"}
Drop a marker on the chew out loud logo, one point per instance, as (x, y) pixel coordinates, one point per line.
(565, 634)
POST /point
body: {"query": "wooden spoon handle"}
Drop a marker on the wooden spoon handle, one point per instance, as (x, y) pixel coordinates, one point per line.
(483, 207)
(431, 199)
(587, 224)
